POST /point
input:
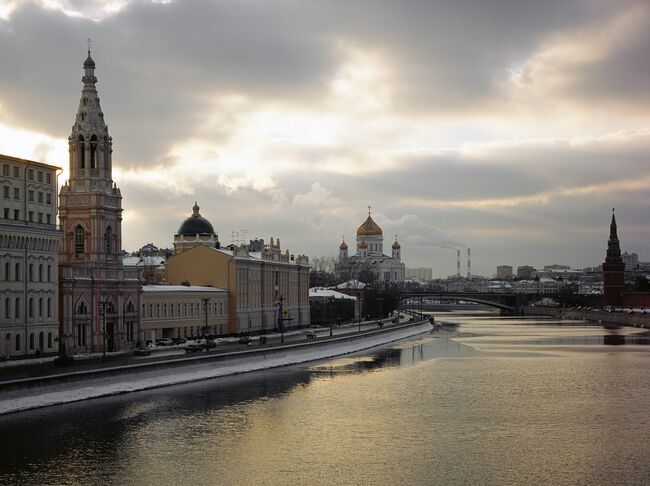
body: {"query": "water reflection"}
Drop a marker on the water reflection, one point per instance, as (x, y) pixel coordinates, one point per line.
(401, 414)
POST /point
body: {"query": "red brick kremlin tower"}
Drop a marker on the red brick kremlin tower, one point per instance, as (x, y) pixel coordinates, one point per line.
(613, 269)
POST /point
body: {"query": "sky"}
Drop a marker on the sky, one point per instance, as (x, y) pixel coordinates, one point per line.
(510, 127)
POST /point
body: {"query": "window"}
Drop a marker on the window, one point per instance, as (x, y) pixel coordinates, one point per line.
(30, 195)
(40, 307)
(31, 340)
(6, 213)
(5, 169)
(108, 239)
(129, 331)
(48, 197)
(31, 307)
(48, 218)
(7, 276)
(31, 216)
(17, 274)
(49, 273)
(41, 340)
(48, 178)
(40, 272)
(17, 342)
(30, 272)
(82, 308)
(17, 308)
(39, 175)
(79, 240)
(40, 217)
(16, 193)
(40, 197)
(7, 309)
(16, 213)
(49, 307)
(93, 152)
(82, 149)
(81, 335)
(49, 340)
(7, 190)
(30, 174)
(16, 171)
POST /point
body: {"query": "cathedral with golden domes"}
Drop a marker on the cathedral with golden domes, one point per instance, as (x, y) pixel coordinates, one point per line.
(369, 261)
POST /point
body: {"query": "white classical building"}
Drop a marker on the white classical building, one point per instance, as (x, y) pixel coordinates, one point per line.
(369, 259)
(29, 245)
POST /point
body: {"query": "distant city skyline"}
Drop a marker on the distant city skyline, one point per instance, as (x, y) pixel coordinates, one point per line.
(511, 129)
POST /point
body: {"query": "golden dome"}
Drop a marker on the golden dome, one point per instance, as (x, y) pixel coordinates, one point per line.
(396, 245)
(369, 228)
(343, 246)
(363, 244)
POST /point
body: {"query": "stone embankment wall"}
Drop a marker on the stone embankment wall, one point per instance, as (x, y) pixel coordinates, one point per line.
(618, 318)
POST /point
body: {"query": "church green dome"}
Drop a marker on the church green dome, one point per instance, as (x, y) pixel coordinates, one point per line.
(196, 224)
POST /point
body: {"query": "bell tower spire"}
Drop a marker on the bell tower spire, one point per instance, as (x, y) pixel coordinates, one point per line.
(89, 144)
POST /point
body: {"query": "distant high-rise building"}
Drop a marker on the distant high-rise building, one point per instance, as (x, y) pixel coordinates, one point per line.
(422, 274)
(525, 272)
(613, 268)
(504, 272)
(631, 260)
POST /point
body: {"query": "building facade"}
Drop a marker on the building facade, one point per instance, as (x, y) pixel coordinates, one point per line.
(29, 245)
(256, 281)
(179, 311)
(422, 274)
(504, 272)
(99, 297)
(369, 262)
(613, 269)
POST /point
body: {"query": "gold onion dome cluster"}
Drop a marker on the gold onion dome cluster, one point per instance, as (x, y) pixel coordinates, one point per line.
(369, 228)
(343, 246)
(363, 244)
(396, 245)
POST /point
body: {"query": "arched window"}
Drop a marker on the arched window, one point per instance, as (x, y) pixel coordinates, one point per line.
(40, 272)
(79, 240)
(82, 149)
(93, 152)
(17, 342)
(49, 307)
(81, 335)
(17, 274)
(82, 308)
(108, 241)
(31, 340)
(31, 307)
(40, 307)
(30, 272)
(49, 340)
(41, 341)
(17, 308)
(7, 308)
(7, 268)
(49, 273)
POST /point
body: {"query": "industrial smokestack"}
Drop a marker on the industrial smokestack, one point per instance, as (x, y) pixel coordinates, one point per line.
(469, 264)
(458, 263)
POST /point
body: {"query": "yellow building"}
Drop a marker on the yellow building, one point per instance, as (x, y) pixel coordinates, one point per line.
(256, 281)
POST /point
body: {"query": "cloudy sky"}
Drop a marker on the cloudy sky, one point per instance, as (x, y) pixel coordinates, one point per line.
(511, 127)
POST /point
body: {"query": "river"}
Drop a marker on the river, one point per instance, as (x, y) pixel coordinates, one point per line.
(491, 401)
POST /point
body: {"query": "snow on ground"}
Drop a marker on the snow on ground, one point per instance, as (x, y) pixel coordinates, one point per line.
(24, 399)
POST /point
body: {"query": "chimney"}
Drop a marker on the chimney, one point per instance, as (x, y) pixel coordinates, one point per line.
(469, 264)
(458, 263)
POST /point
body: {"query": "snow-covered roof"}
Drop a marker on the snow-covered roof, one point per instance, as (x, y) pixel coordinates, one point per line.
(351, 284)
(180, 288)
(319, 292)
(136, 261)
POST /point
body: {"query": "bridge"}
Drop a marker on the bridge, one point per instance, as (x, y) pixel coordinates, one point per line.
(507, 302)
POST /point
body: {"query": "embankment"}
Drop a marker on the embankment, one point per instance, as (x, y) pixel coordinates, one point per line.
(74, 386)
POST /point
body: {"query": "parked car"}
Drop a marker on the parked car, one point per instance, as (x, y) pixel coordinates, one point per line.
(179, 340)
(245, 340)
(142, 351)
(164, 342)
(194, 348)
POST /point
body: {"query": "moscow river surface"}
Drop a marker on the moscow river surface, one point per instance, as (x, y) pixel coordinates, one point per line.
(494, 401)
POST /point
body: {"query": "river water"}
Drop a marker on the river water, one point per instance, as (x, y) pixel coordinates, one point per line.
(492, 401)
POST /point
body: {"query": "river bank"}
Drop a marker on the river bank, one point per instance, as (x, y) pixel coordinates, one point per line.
(24, 394)
(602, 317)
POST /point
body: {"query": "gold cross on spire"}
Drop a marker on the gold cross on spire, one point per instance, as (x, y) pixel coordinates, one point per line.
(369, 207)
(89, 42)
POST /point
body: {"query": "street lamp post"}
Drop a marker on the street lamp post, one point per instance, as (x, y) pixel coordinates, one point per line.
(206, 301)
(329, 305)
(280, 319)
(102, 313)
